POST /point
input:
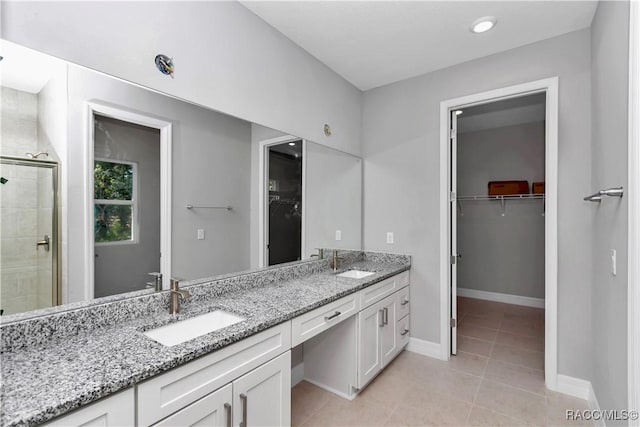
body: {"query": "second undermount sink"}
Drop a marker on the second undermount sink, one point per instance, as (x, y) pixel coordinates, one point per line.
(188, 329)
(355, 274)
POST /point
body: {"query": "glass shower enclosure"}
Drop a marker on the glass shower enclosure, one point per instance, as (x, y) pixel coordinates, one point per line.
(29, 234)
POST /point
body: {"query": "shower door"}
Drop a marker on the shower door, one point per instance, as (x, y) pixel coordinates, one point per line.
(28, 235)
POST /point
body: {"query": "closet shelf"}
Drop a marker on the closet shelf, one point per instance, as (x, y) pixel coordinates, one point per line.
(502, 199)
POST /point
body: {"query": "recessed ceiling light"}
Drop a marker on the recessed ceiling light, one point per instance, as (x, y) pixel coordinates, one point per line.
(458, 112)
(292, 144)
(484, 24)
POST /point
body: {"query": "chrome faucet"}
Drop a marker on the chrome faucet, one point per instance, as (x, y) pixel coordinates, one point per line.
(176, 294)
(334, 260)
(320, 253)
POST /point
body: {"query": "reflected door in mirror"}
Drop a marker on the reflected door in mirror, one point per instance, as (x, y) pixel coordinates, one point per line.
(126, 205)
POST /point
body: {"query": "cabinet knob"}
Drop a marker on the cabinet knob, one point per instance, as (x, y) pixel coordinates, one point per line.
(404, 332)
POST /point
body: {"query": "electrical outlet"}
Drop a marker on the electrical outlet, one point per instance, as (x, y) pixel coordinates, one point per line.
(200, 233)
(389, 237)
(614, 267)
(338, 235)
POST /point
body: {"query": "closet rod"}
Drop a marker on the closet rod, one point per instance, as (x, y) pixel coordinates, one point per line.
(209, 207)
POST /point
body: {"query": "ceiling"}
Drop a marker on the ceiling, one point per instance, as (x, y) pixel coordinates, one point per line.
(374, 43)
(25, 69)
(509, 112)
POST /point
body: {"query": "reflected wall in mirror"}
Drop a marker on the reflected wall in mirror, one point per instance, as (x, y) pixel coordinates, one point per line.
(130, 161)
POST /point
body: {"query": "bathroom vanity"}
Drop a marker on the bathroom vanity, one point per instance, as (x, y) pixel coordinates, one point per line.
(95, 363)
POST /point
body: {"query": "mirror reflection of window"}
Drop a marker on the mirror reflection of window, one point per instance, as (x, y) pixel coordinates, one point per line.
(114, 201)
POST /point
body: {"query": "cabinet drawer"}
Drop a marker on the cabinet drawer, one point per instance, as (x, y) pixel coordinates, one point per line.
(375, 293)
(212, 410)
(115, 410)
(403, 302)
(403, 331)
(314, 322)
(169, 392)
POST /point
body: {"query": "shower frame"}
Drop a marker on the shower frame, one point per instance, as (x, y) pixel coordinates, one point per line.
(56, 271)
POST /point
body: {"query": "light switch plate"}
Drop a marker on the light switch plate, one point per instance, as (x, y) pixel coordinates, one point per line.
(389, 237)
(338, 234)
(200, 233)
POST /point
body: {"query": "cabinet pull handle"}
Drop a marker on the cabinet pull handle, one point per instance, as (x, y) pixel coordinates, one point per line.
(385, 312)
(333, 316)
(405, 302)
(227, 409)
(404, 332)
(381, 313)
(243, 399)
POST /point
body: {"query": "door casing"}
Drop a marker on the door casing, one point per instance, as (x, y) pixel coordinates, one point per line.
(550, 87)
(165, 128)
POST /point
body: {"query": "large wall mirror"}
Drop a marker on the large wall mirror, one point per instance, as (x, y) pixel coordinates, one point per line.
(107, 189)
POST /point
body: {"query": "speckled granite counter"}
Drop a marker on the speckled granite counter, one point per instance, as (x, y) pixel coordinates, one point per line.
(59, 362)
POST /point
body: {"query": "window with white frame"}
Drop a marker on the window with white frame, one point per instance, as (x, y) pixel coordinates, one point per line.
(115, 201)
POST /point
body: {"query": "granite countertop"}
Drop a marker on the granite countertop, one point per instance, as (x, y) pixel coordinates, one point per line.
(40, 382)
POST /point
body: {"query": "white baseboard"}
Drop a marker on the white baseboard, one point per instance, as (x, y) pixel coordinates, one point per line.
(498, 297)
(594, 405)
(575, 387)
(425, 348)
(332, 390)
(297, 374)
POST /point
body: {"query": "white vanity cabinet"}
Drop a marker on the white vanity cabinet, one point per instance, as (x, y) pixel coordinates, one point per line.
(113, 411)
(382, 333)
(213, 410)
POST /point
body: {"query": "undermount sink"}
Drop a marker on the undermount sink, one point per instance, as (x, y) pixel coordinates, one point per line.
(188, 329)
(355, 274)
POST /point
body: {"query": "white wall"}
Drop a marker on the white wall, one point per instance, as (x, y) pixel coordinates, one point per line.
(211, 166)
(609, 85)
(226, 58)
(402, 172)
(503, 254)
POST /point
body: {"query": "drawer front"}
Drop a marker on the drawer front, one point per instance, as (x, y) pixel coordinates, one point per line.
(403, 331)
(403, 302)
(314, 322)
(115, 410)
(169, 392)
(375, 293)
(213, 410)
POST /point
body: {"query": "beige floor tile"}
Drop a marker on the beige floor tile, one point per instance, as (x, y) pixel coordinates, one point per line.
(306, 399)
(557, 406)
(478, 332)
(455, 384)
(512, 402)
(472, 345)
(516, 376)
(430, 409)
(415, 367)
(469, 363)
(386, 390)
(528, 358)
(342, 412)
(485, 322)
(526, 327)
(520, 341)
(480, 416)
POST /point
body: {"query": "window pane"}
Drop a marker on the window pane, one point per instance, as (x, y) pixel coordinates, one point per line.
(113, 222)
(113, 181)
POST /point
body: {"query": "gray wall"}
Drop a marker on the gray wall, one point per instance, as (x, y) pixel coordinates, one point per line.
(503, 254)
(609, 117)
(402, 172)
(124, 267)
(211, 166)
(226, 58)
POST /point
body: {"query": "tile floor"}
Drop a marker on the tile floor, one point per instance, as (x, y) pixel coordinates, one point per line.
(497, 379)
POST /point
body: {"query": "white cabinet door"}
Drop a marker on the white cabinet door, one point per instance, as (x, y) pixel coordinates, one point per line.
(389, 341)
(369, 357)
(263, 396)
(115, 410)
(213, 410)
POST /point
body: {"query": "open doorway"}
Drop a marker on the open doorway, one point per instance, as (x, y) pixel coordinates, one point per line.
(507, 274)
(284, 205)
(126, 177)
